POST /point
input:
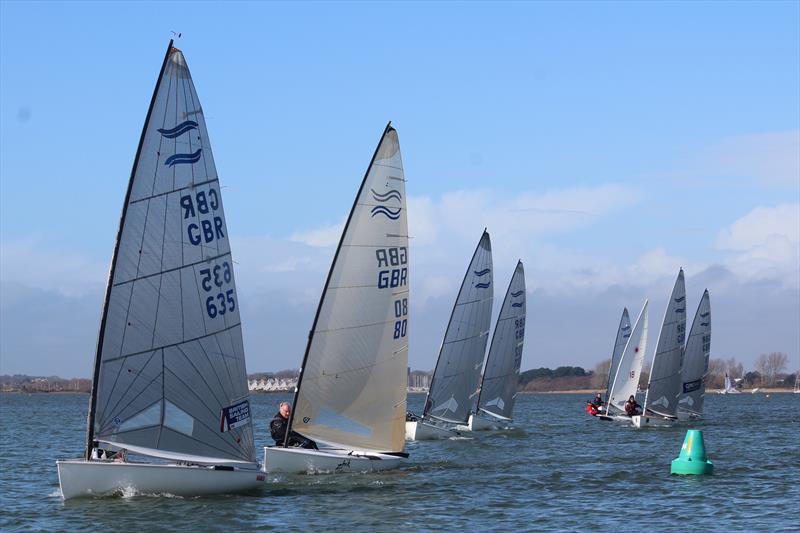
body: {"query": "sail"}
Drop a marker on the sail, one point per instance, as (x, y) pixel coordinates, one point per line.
(695, 359)
(501, 375)
(352, 387)
(727, 383)
(170, 374)
(623, 334)
(665, 379)
(455, 379)
(626, 379)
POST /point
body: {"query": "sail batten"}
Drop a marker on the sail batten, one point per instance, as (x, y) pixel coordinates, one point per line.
(170, 373)
(498, 390)
(352, 386)
(457, 374)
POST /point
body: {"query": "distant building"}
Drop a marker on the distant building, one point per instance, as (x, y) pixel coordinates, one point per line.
(418, 380)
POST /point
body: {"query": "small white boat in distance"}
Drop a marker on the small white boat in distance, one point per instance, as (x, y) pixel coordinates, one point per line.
(498, 389)
(729, 388)
(169, 375)
(629, 371)
(455, 380)
(351, 392)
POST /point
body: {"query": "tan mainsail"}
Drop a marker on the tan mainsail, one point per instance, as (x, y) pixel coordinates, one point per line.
(352, 388)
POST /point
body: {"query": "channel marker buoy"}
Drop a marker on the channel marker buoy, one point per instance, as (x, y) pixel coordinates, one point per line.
(692, 459)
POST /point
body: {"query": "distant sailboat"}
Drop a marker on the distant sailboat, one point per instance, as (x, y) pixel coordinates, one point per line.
(629, 371)
(694, 369)
(729, 388)
(661, 400)
(454, 384)
(623, 334)
(498, 389)
(351, 392)
(169, 374)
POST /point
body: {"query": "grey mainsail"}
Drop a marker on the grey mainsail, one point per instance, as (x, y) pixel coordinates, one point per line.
(695, 359)
(352, 387)
(626, 379)
(501, 375)
(170, 378)
(454, 384)
(665, 381)
(623, 334)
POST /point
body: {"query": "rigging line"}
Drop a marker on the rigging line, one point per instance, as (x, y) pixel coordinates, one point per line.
(114, 412)
(202, 377)
(191, 185)
(201, 261)
(171, 345)
(135, 380)
(384, 165)
(214, 416)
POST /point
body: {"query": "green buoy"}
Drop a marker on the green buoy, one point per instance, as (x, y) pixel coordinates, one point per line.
(692, 459)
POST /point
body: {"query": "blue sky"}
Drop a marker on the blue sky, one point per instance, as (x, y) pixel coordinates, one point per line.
(606, 144)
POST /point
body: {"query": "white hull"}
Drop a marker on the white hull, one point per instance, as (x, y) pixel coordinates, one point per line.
(625, 419)
(419, 430)
(640, 421)
(79, 477)
(479, 423)
(305, 461)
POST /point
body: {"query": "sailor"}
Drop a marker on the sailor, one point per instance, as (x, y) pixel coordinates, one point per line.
(590, 408)
(278, 425)
(631, 407)
(598, 401)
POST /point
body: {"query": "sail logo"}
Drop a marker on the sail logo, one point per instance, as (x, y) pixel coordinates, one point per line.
(704, 324)
(515, 294)
(184, 159)
(691, 386)
(679, 300)
(704, 315)
(392, 213)
(498, 402)
(178, 130)
(518, 304)
(680, 310)
(483, 272)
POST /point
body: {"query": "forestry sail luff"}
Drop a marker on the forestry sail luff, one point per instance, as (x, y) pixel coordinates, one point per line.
(351, 392)
(695, 360)
(664, 387)
(455, 379)
(501, 375)
(626, 379)
(623, 334)
(169, 378)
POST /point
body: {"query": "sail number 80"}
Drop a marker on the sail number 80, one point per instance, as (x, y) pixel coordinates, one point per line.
(400, 311)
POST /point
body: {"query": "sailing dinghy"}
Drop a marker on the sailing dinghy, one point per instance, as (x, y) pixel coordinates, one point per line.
(661, 399)
(623, 334)
(454, 384)
(629, 370)
(498, 389)
(351, 392)
(695, 363)
(169, 381)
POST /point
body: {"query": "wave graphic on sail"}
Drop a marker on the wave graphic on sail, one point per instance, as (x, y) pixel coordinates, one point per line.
(182, 159)
(388, 212)
(482, 272)
(178, 130)
(388, 195)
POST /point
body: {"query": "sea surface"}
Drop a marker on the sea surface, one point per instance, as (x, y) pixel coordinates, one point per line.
(557, 469)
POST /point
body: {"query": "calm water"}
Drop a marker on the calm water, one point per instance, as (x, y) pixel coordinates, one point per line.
(547, 474)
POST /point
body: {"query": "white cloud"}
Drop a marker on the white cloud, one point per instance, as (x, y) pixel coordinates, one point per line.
(765, 244)
(324, 236)
(772, 157)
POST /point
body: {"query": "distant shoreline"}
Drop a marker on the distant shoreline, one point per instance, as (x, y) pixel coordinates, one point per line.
(573, 391)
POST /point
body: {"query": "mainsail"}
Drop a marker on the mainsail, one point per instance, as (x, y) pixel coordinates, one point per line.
(626, 379)
(169, 377)
(501, 375)
(455, 379)
(695, 359)
(665, 379)
(352, 387)
(623, 334)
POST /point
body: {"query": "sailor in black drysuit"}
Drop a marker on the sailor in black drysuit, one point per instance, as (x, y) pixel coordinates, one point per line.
(278, 425)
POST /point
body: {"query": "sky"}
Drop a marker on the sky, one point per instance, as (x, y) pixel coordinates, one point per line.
(604, 144)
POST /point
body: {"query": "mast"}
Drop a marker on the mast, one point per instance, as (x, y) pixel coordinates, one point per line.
(327, 283)
(441, 348)
(101, 334)
(491, 344)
